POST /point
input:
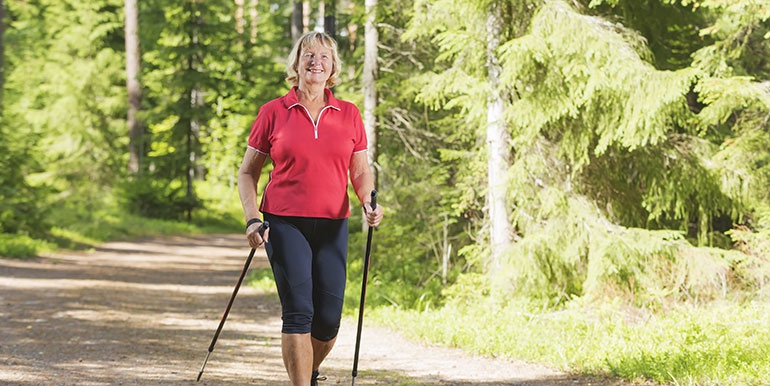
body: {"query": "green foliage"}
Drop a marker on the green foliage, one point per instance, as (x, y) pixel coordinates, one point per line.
(605, 144)
(20, 209)
(156, 198)
(576, 252)
(203, 83)
(718, 344)
(424, 200)
(61, 108)
(754, 267)
(21, 246)
(741, 33)
(262, 280)
(670, 27)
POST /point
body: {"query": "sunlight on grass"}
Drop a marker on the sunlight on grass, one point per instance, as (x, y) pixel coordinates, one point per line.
(104, 226)
(22, 246)
(716, 344)
(262, 280)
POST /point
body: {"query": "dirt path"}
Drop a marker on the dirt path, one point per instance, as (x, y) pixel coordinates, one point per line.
(144, 313)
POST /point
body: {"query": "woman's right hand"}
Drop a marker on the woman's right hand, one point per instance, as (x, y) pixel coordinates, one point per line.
(255, 239)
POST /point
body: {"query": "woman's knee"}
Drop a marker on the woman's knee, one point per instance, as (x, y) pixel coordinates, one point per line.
(326, 320)
(324, 331)
(297, 322)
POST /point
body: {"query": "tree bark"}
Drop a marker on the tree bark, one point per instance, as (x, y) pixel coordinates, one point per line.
(133, 62)
(2, 54)
(498, 140)
(330, 18)
(370, 84)
(307, 11)
(240, 20)
(253, 16)
(297, 26)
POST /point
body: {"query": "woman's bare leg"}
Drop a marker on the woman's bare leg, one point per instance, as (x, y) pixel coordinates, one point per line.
(320, 350)
(297, 351)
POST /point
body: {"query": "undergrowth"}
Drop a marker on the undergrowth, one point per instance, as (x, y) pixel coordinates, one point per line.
(73, 226)
(716, 344)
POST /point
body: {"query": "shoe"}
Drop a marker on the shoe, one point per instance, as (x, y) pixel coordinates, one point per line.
(314, 380)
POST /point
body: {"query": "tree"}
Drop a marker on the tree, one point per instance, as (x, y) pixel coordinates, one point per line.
(468, 36)
(370, 83)
(330, 17)
(203, 83)
(2, 54)
(62, 108)
(133, 64)
(297, 20)
(497, 145)
(183, 40)
(671, 28)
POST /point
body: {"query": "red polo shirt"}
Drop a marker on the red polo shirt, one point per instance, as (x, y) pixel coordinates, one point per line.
(311, 160)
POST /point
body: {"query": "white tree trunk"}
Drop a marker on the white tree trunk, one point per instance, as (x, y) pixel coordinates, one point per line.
(2, 54)
(133, 62)
(369, 78)
(254, 20)
(307, 10)
(371, 40)
(498, 140)
(240, 20)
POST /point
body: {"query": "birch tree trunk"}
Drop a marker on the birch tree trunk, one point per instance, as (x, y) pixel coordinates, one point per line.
(253, 18)
(498, 139)
(133, 62)
(2, 54)
(370, 84)
(369, 75)
(307, 11)
(240, 20)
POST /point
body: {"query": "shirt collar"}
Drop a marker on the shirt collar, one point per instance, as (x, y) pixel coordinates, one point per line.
(291, 99)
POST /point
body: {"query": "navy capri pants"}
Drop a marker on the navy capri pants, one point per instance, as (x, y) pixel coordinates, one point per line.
(308, 257)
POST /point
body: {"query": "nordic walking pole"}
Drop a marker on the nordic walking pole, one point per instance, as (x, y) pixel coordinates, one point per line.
(261, 231)
(363, 291)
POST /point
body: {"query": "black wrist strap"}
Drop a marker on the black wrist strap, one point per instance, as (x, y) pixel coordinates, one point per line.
(252, 221)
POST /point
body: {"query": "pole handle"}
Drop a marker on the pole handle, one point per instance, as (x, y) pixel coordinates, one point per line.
(374, 199)
(263, 228)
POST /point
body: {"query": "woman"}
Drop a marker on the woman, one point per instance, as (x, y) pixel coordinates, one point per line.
(315, 142)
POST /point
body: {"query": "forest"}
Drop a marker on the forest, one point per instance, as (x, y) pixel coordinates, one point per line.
(583, 166)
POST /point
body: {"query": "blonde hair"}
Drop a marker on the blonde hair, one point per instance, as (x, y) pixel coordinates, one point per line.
(311, 40)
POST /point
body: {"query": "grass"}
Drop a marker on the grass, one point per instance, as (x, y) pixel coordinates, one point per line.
(716, 344)
(21, 246)
(262, 280)
(86, 229)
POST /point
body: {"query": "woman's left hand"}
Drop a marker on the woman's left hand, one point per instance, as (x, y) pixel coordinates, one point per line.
(373, 217)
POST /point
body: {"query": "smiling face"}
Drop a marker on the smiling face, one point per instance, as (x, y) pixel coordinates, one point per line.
(315, 65)
(313, 60)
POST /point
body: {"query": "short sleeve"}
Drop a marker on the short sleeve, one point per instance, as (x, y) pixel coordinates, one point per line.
(259, 139)
(361, 142)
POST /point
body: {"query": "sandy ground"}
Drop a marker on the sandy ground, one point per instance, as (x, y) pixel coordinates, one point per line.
(144, 313)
